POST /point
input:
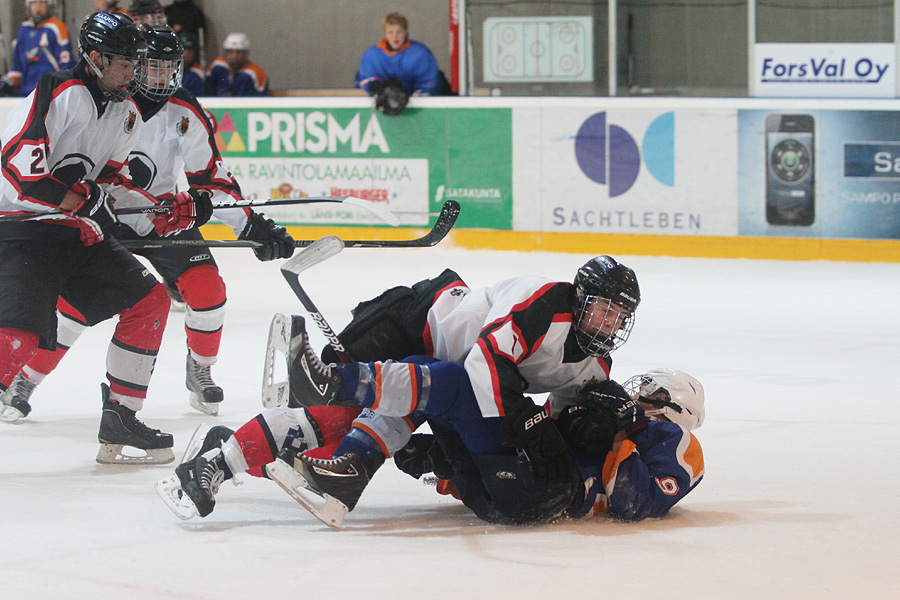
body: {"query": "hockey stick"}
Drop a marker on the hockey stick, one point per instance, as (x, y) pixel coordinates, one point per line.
(445, 222)
(313, 254)
(382, 213)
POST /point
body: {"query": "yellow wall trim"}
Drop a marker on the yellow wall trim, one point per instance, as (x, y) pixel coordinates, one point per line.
(622, 244)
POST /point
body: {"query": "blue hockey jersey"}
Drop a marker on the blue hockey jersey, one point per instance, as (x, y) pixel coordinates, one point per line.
(39, 49)
(413, 64)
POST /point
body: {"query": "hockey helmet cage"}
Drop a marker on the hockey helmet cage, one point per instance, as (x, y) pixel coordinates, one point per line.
(600, 283)
(678, 396)
(165, 62)
(113, 35)
(236, 41)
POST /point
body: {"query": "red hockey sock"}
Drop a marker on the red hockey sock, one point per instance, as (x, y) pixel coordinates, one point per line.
(17, 346)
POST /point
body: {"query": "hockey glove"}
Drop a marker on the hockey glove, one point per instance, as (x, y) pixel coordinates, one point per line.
(590, 430)
(531, 430)
(190, 209)
(630, 416)
(422, 454)
(96, 207)
(392, 99)
(276, 241)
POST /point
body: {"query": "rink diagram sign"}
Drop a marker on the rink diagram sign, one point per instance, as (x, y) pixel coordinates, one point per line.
(410, 163)
(538, 49)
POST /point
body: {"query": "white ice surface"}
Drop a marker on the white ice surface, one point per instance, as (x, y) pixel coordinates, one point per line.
(801, 497)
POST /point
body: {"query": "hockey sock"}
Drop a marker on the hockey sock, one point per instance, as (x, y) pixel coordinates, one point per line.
(362, 444)
(17, 346)
(135, 344)
(204, 294)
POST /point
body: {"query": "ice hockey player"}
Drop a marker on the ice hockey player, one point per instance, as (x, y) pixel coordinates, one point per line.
(176, 138)
(42, 46)
(234, 74)
(632, 455)
(553, 335)
(61, 146)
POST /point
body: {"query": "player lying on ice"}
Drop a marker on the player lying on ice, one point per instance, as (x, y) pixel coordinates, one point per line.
(631, 455)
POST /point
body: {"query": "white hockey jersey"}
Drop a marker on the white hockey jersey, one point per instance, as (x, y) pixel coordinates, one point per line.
(178, 138)
(62, 132)
(514, 337)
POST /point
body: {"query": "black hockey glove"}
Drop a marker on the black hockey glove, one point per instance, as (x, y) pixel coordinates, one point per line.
(392, 98)
(423, 454)
(589, 429)
(6, 86)
(529, 429)
(97, 205)
(276, 241)
(630, 416)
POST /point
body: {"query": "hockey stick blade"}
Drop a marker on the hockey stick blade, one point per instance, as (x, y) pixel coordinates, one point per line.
(445, 222)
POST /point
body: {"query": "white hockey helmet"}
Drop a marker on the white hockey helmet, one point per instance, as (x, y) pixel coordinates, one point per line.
(679, 396)
(236, 41)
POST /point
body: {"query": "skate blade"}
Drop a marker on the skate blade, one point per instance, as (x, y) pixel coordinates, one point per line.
(328, 509)
(195, 443)
(207, 408)
(276, 393)
(113, 454)
(170, 491)
(8, 414)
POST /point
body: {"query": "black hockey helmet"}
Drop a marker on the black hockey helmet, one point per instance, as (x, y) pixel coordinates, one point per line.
(165, 62)
(607, 293)
(147, 11)
(113, 35)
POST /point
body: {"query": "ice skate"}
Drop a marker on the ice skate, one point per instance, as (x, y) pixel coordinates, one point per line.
(14, 401)
(120, 427)
(339, 482)
(311, 382)
(205, 394)
(192, 490)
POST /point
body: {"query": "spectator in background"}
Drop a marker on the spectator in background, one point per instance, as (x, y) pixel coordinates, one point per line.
(42, 46)
(184, 15)
(396, 57)
(234, 74)
(194, 79)
(147, 11)
(109, 6)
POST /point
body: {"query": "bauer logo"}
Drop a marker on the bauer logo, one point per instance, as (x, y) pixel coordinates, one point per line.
(609, 155)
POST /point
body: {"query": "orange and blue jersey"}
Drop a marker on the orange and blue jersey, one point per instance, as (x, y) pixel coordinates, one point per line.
(412, 64)
(644, 475)
(40, 49)
(249, 80)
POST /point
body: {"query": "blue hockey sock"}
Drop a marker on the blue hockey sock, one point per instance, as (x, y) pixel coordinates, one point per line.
(349, 373)
(364, 445)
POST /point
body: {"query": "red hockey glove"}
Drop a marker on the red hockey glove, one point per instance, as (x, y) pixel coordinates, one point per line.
(190, 209)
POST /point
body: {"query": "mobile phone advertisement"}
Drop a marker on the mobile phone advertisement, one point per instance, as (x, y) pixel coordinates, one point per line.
(824, 174)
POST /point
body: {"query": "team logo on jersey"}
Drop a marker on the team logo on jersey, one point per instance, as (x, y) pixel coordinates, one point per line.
(130, 121)
(182, 127)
